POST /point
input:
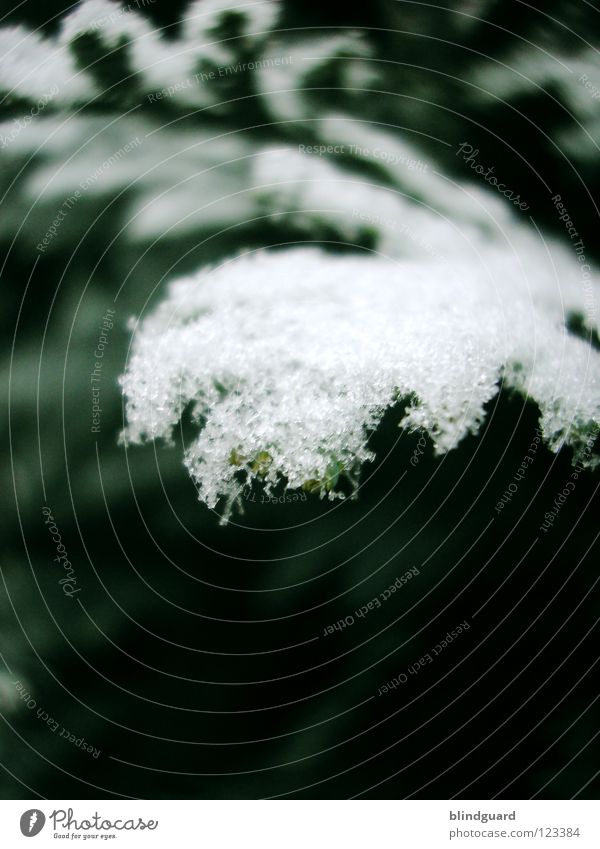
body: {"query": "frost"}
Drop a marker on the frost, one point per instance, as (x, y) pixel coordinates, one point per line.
(30, 64)
(286, 87)
(107, 19)
(156, 62)
(177, 180)
(405, 166)
(32, 67)
(525, 72)
(205, 18)
(572, 80)
(289, 359)
(312, 190)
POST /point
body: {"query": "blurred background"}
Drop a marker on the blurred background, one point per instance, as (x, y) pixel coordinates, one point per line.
(195, 657)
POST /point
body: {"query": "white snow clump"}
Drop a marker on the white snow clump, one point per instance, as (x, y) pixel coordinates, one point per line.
(289, 359)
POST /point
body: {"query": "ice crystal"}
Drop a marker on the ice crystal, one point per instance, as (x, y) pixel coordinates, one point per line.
(573, 81)
(213, 33)
(286, 87)
(205, 19)
(289, 359)
(33, 67)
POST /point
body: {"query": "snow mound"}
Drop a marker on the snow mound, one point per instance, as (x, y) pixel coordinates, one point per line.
(288, 359)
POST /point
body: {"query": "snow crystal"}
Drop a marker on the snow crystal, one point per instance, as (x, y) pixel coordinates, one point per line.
(309, 190)
(204, 22)
(283, 86)
(203, 17)
(288, 360)
(572, 80)
(107, 19)
(32, 68)
(157, 62)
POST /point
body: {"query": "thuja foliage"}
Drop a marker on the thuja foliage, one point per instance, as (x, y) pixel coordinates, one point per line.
(287, 358)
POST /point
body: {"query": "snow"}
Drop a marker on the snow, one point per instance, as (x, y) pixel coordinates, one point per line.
(289, 359)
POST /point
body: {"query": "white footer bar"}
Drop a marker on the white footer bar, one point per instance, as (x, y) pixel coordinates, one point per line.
(303, 824)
